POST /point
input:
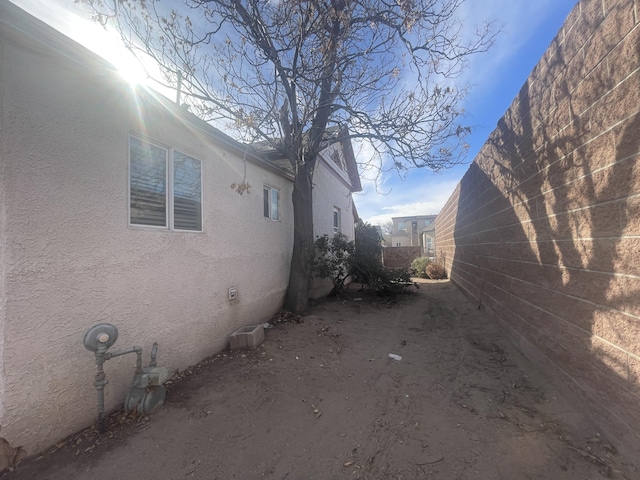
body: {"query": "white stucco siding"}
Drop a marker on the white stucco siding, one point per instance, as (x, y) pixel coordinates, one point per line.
(331, 189)
(403, 240)
(3, 230)
(70, 259)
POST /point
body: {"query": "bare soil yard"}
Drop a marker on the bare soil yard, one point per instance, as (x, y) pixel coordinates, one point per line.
(323, 399)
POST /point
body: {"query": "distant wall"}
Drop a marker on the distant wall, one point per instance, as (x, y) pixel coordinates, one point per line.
(543, 231)
(399, 257)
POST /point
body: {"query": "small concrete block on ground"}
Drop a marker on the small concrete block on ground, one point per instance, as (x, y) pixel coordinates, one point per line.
(247, 337)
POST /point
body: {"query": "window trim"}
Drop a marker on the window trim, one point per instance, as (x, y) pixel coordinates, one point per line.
(169, 188)
(337, 215)
(271, 190)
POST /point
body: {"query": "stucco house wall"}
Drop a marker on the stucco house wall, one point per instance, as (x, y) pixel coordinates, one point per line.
(400, 241)
(332, 189)
(543, 230)
(69, 259)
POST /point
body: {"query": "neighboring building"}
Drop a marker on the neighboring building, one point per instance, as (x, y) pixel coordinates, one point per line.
(116, 206)
(414, 231)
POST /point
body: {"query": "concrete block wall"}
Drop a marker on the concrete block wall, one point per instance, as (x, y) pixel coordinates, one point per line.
(543, 231)
(399, 257)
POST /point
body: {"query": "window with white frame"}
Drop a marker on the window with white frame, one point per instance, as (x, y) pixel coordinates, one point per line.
(165, 187)
(398, 244)
(401, 226)
(336, 220)
(187, 192)
(271, 203)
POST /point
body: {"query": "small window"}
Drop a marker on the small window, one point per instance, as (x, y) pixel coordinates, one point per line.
(336, 219)
(401, 226)
(147, 184)
(398, 244)
(429, 243)
(187, 185)
(157, 180)
(271, 203)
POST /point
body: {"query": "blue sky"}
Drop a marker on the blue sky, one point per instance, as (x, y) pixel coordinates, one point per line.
(495, 77)
(527, 29)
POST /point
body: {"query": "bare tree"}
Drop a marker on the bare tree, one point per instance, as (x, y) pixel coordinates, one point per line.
(288, 71)
(387, 227)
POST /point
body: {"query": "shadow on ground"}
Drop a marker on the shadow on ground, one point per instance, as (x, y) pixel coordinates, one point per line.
(323, 399)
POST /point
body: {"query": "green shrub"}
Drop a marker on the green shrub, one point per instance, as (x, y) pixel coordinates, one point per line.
(338, 258)
(389, 281)
(419, 267)
(366, 262)
(435, 271)
(332, 259)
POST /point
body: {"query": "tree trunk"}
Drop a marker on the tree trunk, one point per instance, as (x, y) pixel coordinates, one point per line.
(297, 297)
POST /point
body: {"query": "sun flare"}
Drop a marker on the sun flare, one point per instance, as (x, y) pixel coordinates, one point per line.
(109, 46)
(130, 69)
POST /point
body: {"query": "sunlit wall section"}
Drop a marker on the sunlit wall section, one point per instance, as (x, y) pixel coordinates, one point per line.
(116, 206)
(543, 231)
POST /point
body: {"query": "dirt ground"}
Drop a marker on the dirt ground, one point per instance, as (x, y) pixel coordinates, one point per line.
(323, 399)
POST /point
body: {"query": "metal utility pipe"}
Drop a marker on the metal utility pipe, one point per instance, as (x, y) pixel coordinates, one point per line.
(101, 379)
(98, 339)
(154, 352)
(136, 349)
(99, 382)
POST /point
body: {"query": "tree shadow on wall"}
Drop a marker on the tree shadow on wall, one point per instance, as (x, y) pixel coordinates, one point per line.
(542, 231)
